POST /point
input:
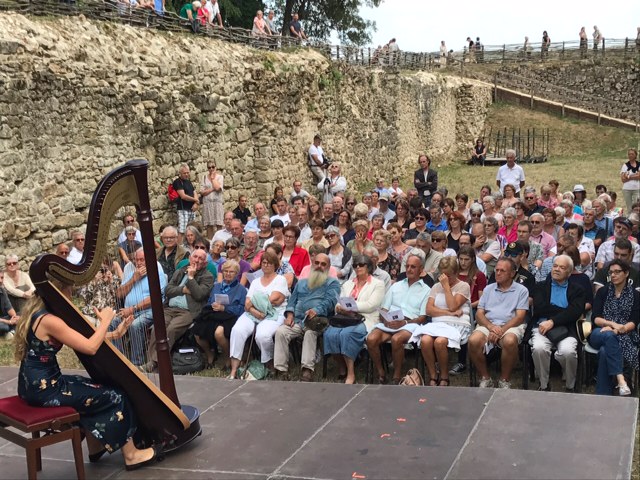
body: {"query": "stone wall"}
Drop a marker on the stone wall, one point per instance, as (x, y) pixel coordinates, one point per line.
(78, 98)
(617, 81)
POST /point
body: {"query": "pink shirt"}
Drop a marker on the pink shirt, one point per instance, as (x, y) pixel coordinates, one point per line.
(545, 240)
(333, 273)
(511, 236)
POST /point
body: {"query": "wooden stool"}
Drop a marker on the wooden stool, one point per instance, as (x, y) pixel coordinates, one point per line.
(57, 424)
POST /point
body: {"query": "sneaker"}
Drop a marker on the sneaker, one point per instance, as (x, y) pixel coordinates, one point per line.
(504, 384)
(457, 369)
(624, 390)
(486, 383)
(546, 389)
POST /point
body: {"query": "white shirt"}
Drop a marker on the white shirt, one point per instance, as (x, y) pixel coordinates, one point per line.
(213, 8)
(305, 233)
(74, 256)
(123, 236)
(223, 235)
(313, 150)
(285, 219)
(512, 176)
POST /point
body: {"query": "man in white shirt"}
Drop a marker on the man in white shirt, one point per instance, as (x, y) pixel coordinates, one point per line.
(75, 255)
(213, 9)
(510, 173)
(224, 234)
(316, 159)
(259, 210)
(283, 211)
(129, 221)
(298, 191)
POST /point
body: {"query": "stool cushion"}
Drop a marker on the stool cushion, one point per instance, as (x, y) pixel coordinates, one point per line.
(19, 411)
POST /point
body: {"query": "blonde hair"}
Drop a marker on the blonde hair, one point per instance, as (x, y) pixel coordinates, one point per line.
(32, 305)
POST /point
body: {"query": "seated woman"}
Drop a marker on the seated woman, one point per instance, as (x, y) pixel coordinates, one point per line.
(297, 257)
(360, 241)
(386, 261)
(215, 252)
(232, 247)
(285, 269)
(509, 229)
(339, 256)
(344, 223)
(265, 230)
(616, 310)
(450, 326)
(101, 291)
(128, 246)
(397, 247)
(317, 235)
(106, 417)
(191, 234)
(346, 343)
(17, 283)
(277, 228)
(264, 313)
(217, 319)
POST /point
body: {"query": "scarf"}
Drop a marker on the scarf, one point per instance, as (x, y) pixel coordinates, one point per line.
(226, 287)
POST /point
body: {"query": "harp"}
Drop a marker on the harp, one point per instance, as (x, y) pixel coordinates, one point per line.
(161, 419)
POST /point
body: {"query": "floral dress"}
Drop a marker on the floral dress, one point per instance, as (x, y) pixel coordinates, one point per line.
(104, 411)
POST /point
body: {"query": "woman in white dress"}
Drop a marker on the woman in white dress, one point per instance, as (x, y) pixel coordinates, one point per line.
(450, 326)
(264, 312)
(212, 200)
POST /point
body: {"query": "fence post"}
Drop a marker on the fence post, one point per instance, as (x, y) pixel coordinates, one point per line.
(563, 49)
(369, 56)
(531, 99)
(337, 52)
(504, 51)
(495, 87)
(626, 46)
(603, 52)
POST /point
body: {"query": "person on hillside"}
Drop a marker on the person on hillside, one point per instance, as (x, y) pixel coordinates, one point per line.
(295, 28)
(260, 27)
(630, 177)
(597, 37)
(425, 179)
(583, 42)
(478, 153)
(546, 41)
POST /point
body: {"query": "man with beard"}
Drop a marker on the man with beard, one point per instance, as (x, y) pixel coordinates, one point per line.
(312, 297)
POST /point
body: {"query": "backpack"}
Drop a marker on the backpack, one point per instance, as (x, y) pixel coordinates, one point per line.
(172, 194)
(186, 356)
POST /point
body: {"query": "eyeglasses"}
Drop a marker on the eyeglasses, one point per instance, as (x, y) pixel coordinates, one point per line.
(360, 265)
(476, 214)
(419, 217)
(64, 254)
(79, 240)
(231, 247)
(200, 247)
(529, 198)
(129, 221)
(11, 264)
(535, 222)
(211, 167)
(131, 233)
(331, 235)
(612, 272)
(169, 238)
(434, 240)
(290, 237)
(320, 264)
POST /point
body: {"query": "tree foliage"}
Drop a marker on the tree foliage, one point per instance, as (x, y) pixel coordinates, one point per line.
(321, 17)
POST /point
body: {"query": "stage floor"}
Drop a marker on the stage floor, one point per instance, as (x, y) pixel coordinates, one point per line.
(290, 430)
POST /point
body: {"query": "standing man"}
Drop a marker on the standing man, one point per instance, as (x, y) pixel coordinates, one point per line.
(425, 180)
(510, 173)
(316, 158)
(186, 293)
(187, 203)
(295, 28)
(315, 296)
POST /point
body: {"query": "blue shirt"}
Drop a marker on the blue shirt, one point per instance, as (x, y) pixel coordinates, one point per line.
(412, 300)
(140, 289)
(323, 299)
(237, 296)
(500, 306)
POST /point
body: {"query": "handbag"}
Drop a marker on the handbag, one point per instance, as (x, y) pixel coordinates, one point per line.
(342, 321)
(413, 378)
(187, 357)
(557, 334)
(317, 324)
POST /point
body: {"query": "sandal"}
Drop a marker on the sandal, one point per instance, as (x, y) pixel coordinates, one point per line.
(382, 380)
(433, 382)
(441, 384)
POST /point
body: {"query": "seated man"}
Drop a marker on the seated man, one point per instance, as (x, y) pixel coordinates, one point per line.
(586, 248)
(259, 210)
(315, 296)
(623, 250)
(171, 254)
(500, 322)
(410, 296)
(187, 292)
(558, 303)
(621, 229)
(129, 220)
(134, 288)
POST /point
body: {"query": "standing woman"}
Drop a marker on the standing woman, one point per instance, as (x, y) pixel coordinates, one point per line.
(630, 177)
(106, 415)
(212, 200)
(616, 310)
(555, 193)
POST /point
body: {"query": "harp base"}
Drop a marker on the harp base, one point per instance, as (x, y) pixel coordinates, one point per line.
(194, 430)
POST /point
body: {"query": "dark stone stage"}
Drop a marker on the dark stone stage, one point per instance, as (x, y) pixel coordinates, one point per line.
(279, 430)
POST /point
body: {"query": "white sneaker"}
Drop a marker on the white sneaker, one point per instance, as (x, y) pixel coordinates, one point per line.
(486, 383)
(624, 390)
(9, 335)
(504, 384)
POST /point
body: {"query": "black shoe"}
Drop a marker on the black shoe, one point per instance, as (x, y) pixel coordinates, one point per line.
(548, 389)
(94, 457)
(157, 457)
(457, 369)
(569, 390)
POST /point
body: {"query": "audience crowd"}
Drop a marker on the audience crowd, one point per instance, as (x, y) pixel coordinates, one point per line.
(447, 272)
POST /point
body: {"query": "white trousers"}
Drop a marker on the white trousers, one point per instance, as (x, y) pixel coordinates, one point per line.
(265, 331)
(566, 354)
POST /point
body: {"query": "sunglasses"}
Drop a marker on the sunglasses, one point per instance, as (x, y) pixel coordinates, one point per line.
(332, 235)
(476, 214)
(211, 167)
(511, 254)
(129, 221)
(200, 247)
(11, 264)
(320, 264)
(360, 265)
(435, 240)
(420, 218)
(535, 222)
(64, 254)
(79, 240)
(231, 247)
(351, 203)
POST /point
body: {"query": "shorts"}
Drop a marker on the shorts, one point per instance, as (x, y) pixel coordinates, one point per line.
(517, 331)
(184, 217)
